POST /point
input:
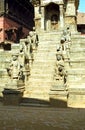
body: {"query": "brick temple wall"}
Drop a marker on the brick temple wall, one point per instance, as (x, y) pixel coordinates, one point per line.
(1, 29)
(6, 24)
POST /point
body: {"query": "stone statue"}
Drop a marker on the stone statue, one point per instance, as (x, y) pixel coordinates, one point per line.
(26, 56)
(27, 50)
(21, 76)
(64, 34)
(31, 39)
(62, 44)
(16, 73)
(60, 68)
(35, 37)
(67, 34)
(68, 37)
(14, 67)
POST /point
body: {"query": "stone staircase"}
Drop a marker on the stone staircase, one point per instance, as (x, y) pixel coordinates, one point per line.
(76, 72)
(4, 60)
(42, 71)
(40, 89)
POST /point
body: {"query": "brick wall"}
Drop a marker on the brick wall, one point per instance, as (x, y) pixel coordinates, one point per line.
(1, 29)
(7, 24)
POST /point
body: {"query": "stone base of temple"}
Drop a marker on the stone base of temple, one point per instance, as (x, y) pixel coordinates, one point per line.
(58, 99)
(76, 97)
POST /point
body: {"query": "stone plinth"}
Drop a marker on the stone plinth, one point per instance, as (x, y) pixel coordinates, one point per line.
(11, 97)
(58, 98)
(76, 97)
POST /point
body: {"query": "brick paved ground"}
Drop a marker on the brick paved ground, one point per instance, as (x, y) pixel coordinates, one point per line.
(35, 118)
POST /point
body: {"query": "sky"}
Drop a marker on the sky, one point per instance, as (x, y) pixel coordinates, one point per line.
(82, 6)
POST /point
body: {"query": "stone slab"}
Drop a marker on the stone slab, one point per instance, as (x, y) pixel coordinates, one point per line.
(76, 100)
(11, 97)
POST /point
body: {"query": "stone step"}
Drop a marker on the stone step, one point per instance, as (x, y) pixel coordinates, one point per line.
(38, 91)
(43, 65)
(45, 58)
(40, 82)
(48, 44)
(36, 81)
(37, 96)
(76, 83)
(34, 105)
(47, 54)
(76, 60)
(41, 78)
(42, 46)
(39, 65)
(77, 87)
(43, 61)
(77, 71)
(49, 37)
(41, 75)
(46, 50)
(41, 92)
(41, 69)
(78, 36)
(38, 86)
(36, 73)
(45, 47)
(41, 86)
(78, 41)
(75, 53)
(33, 100)
(77, 56)
(78, 49)
(76, 77)
(48, 41)
(77, 64)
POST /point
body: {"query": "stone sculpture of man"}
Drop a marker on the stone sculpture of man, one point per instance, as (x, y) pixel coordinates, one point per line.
(14, 67)
(61, 68)
(36, 38)
(62, 44)
(67, 34)
(68, 37)
(33, 38)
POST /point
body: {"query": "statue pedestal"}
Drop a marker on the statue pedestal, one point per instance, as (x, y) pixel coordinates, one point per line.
(58, 98)
(12, 97)
(58, 95)
(76, 97)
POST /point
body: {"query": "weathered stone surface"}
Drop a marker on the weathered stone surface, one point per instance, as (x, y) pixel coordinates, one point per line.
(40, 74)
(11, 97)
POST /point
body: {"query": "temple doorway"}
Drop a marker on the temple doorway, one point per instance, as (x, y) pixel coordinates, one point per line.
(52, 14)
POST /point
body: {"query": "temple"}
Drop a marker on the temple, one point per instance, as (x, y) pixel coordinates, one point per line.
(45, 15)
(55, 14)
(45, 65)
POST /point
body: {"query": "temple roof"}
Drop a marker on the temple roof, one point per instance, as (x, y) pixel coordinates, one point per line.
(80, 18)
